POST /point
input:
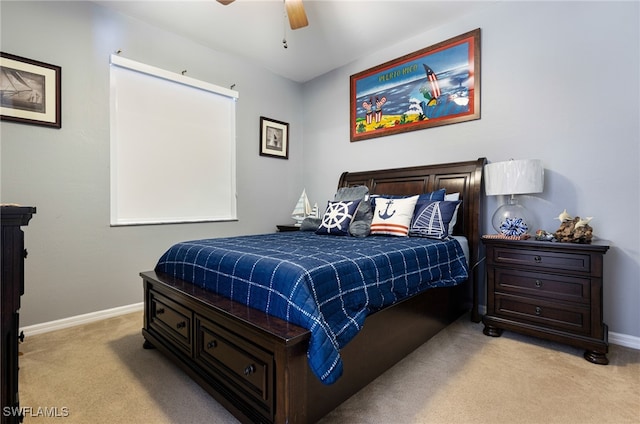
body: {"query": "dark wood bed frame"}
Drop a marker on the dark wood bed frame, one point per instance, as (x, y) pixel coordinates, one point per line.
(255, 365)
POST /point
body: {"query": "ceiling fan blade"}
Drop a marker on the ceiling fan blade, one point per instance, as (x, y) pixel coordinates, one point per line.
(225, 2)
(296, 13)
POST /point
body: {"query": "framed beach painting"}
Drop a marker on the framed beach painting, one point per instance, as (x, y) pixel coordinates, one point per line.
(438, 85)
(30, 91)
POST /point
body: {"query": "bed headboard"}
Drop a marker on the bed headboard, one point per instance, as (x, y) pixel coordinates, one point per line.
(456, 177)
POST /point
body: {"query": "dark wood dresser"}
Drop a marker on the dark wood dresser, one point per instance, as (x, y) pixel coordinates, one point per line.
(548, 290)
(12, 284)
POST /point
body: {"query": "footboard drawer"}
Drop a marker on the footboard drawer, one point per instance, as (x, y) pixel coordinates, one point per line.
(171, 320)
(242, 367)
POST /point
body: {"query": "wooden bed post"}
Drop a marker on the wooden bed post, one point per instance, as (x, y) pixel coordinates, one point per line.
(477, 253)
(292, 380)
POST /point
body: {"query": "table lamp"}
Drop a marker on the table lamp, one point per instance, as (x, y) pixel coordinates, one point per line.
(510, 178)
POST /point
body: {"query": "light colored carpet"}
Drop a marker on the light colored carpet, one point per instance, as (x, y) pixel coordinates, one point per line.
(99, 373)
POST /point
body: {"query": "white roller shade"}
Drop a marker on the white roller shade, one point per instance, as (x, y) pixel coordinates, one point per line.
(172, 147)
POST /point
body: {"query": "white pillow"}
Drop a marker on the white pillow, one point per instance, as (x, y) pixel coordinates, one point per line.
(392, 217)
(452, 198)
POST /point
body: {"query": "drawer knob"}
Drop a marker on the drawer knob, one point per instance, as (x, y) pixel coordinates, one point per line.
(250, 369)
(212, 344)
(538, 310)
(21, 337)
(159, 311)
(181, 324)
(537, 259)
(538, 283)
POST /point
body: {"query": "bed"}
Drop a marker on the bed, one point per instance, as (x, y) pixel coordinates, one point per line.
(257, 364)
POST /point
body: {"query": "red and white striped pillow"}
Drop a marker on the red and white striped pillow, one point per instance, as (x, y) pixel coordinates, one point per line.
(392, 217)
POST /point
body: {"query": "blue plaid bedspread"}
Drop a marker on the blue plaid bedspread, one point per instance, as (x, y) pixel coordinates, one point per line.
(326, 284)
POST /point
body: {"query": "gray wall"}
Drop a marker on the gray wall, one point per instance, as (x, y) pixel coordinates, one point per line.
(77, 263)
(560, 82)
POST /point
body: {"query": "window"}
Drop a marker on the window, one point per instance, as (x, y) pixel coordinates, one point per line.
(172, 147)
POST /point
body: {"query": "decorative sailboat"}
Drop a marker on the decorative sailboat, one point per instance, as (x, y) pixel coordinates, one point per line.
(302, 209)
(315, 213)
(16, 90)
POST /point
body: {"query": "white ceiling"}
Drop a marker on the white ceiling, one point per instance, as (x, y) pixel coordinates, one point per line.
(339, 31)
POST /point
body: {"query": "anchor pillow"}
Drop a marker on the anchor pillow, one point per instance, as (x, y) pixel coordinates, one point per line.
(392, 216)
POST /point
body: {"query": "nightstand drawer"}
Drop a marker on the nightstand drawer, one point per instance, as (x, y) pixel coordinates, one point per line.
(551, 286)
(542, 259)
(571, 318)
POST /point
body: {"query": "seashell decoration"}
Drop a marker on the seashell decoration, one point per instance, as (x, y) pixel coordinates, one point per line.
(574, 230)
(564, 216)
(583, 222)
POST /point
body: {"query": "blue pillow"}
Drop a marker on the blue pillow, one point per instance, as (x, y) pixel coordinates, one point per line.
(337, 217)
(434, 195)
(424, 197)
(431, 219)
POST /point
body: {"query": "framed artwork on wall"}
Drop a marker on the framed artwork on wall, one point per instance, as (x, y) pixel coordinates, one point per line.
(274, 138)
(30, 91)
(438, 85)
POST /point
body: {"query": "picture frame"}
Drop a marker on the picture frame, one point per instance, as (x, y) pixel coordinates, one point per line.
(274, 138)
(30, 91)
(434, 86)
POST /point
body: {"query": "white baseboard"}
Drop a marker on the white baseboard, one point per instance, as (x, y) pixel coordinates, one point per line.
(45, 327)
(614, 338)
(624, 340)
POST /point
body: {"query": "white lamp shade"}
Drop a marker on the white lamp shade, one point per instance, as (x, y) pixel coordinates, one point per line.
(514, 177)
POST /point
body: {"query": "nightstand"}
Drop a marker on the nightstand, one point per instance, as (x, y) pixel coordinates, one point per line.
(285, 228)
(549, 290)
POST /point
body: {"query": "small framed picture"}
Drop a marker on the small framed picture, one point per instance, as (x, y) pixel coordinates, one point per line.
(30, 91)
(274, 138)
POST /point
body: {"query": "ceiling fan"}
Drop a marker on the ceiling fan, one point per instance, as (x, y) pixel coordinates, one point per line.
(295, 12)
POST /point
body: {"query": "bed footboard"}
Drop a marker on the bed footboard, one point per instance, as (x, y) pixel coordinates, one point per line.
(255, 365)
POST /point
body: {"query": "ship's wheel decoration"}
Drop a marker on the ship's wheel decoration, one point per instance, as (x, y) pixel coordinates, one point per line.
(337, 217)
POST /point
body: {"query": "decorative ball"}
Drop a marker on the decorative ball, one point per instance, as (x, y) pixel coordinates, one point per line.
(514, 227)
